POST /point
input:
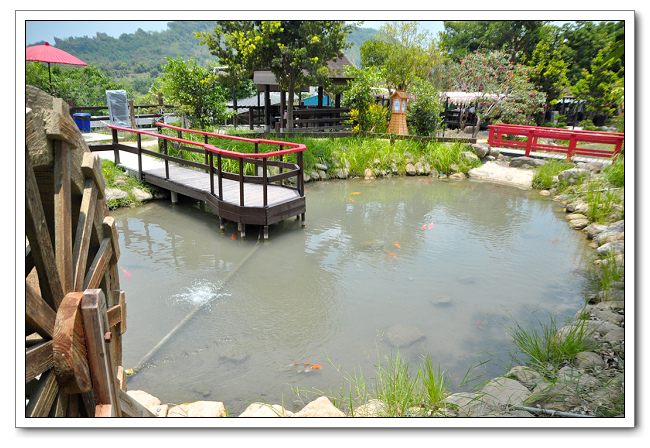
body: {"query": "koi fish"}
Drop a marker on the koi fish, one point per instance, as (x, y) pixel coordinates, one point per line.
(355, 192)
(424, 227)
(233, 237)
(431, 226)
(316, 367)
(352, 200)
(425, 180)
(392, 255)
(397, 245)
(126, 274)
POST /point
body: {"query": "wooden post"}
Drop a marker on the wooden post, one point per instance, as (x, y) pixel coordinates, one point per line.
(140, 157)
(211, 162)
(264, 181)
(529, 142)
(241, 181)
(572, 146)
(132, 114)
(219, 181)
(115, 148)
(98, 336)
(283, 109)
(234, 106)
(267, 108)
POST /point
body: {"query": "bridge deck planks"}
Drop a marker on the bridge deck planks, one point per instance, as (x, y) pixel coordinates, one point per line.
(200, 180)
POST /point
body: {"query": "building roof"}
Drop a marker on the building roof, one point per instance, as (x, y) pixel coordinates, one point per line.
(336, 74)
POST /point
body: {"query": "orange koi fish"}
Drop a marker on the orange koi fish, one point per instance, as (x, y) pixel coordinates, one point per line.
(397, 245)
(352, 200)
(392, 255)
(232, 237)
(126, 274)
(316, 367)
(424, 227)
(431, 226)
(355, 192)
(425, 180)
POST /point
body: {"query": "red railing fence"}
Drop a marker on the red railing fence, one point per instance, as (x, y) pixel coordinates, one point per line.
(574, 140)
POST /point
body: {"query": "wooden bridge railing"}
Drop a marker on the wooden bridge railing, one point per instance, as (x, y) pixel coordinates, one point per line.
(257, 158)
(572, 138)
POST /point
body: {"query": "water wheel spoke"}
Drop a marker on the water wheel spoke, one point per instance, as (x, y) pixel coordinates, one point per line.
(99, 265)
(84, 232)
(38, 314)
(63, 214)
(38, 359)
(40, 403)
(39, 241)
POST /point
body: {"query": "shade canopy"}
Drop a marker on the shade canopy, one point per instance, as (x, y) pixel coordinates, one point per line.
(468, 97)
(48, 53)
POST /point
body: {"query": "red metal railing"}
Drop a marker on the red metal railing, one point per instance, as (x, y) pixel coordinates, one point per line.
(256, 158)
(573, 138)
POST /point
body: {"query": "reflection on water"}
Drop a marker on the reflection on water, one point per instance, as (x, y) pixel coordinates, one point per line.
(447, 258)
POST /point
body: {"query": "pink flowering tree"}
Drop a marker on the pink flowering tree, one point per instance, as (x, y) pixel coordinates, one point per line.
(503, 88)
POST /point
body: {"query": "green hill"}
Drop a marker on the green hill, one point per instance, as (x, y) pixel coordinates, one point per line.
(136, 59)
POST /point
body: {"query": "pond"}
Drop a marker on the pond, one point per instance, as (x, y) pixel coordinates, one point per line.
(446, 262)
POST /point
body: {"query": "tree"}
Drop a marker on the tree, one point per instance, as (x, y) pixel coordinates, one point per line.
(86, 86)
(404, 51)
(548, 68)
(296, 51)
(194, 89)
(600, 87)
(503, 88)
(424, 113)
(518, 37)
(359, 96)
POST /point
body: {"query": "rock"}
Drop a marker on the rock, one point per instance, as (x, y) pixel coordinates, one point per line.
(320, 166)
(159, 411)
(198, 409)
(234, 355)
(341, 174)
(611, 294)
(306, 177)
(321, 407)
(119, 182)
(572, 216)
(559, 396)
(481, 149)
(501, 392)
(528, 377)
(368, 174)
(545, 193)
(617, 247)
(419, 168)
(265, 410)
(427, 168)
(521, 162)
(592, 166)
(573, 176)
(495, 152)
(322, 175)
(609, 396)
(579, 224)
(458, 176)
(577, 378)
(578, 206)
(454, 168)
(144, 398)
(374, 408)
(602, 314)
(469, 156)
(314, 175)
(589, 361)
(594, 229)
(441, 301)
(492, 171)
(403, 335)
(115, 193)
(410, 169)
(614, 335)
(141, 195)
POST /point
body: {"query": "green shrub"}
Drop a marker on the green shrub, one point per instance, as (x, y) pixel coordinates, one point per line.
(615, 173)
(544, 175)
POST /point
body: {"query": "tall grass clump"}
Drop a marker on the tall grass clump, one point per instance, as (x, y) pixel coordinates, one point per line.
(542, 345)
(444, 155)
(111, 172)
(615, 173)
(607, 271)
(544, 176)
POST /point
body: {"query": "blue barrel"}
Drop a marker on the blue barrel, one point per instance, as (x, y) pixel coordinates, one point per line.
(83, 122)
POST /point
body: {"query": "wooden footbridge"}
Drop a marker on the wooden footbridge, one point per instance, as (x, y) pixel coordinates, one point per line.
(257, 198)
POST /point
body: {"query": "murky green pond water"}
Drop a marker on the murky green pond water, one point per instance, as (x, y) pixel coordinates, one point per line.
(445, 259)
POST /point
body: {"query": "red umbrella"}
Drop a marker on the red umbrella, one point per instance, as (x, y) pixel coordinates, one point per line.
(49, 54)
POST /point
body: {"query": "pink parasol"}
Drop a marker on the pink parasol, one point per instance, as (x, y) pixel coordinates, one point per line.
(50, 54)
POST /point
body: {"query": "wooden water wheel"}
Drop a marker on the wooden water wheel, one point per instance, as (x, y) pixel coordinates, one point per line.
(75, 312)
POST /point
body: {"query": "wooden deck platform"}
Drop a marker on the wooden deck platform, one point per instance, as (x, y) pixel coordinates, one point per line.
(244, 201)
